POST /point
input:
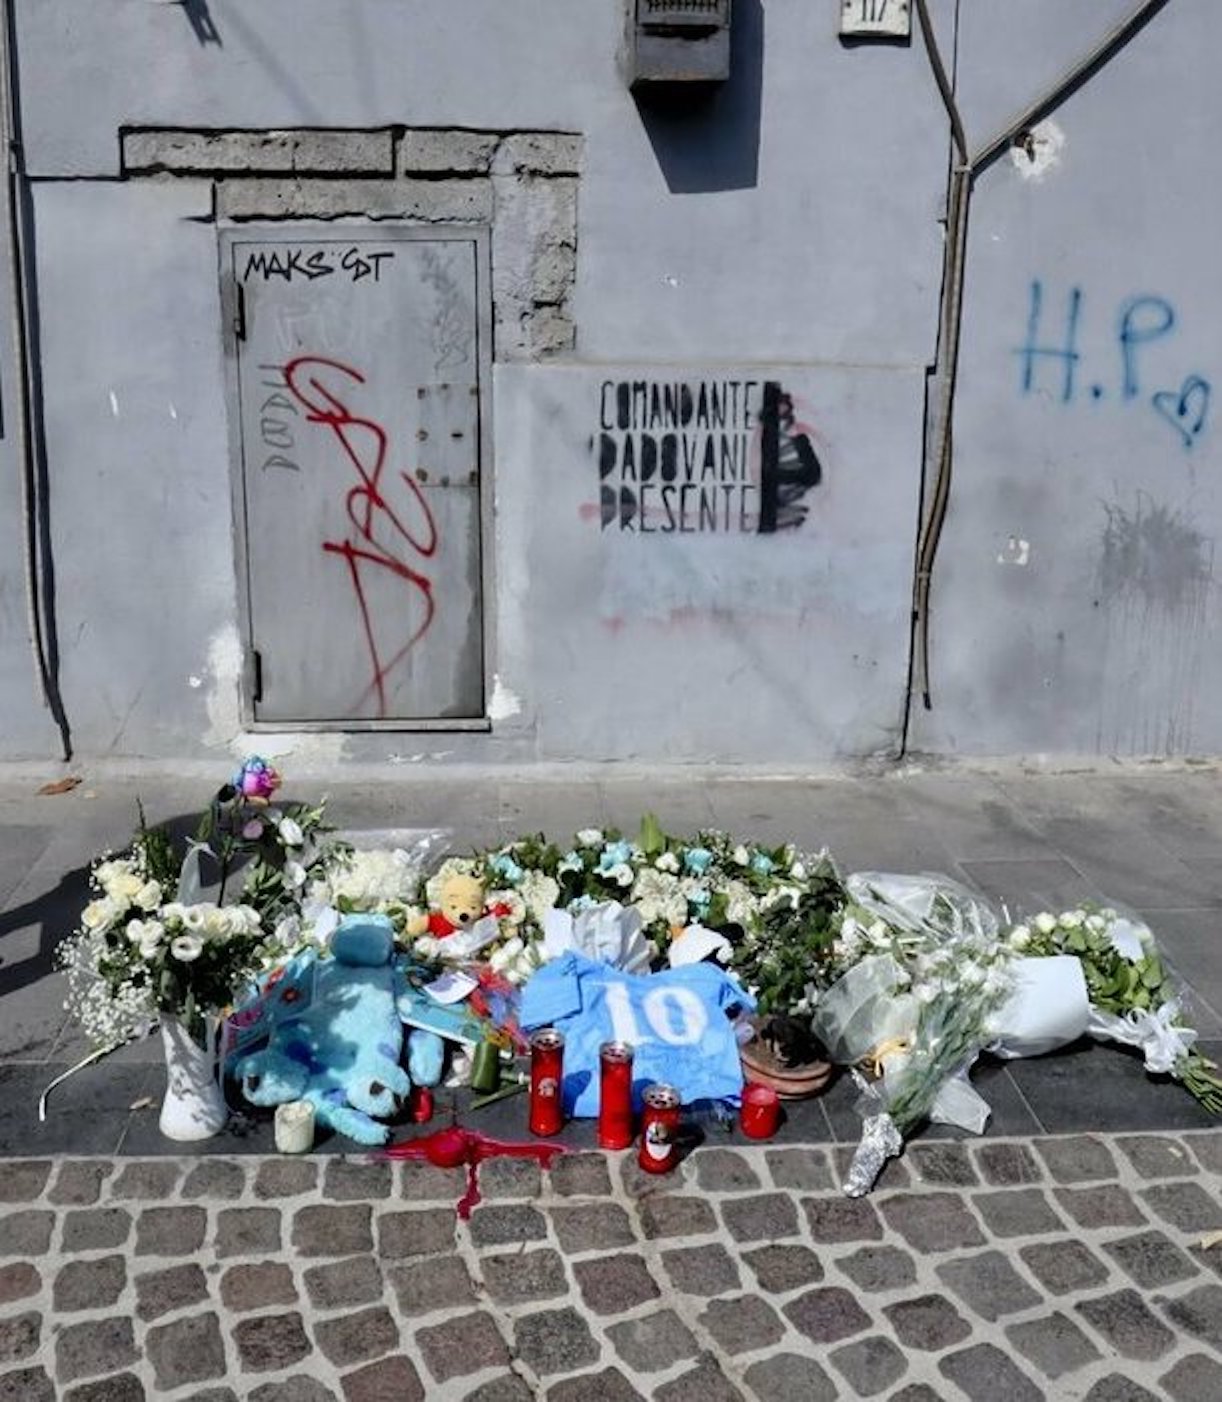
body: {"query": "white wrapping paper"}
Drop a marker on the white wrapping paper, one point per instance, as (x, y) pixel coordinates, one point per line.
(608, 933)
(1048, 1008)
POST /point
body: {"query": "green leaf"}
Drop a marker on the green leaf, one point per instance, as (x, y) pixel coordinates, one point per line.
(1152, 974)
(652, 840)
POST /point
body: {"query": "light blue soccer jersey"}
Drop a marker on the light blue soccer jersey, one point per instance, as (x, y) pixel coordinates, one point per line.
(677, 1022)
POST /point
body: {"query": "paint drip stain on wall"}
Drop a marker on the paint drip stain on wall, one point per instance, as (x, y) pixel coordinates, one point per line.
(1155, 582)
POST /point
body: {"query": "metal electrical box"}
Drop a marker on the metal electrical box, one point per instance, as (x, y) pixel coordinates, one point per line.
(679, 41)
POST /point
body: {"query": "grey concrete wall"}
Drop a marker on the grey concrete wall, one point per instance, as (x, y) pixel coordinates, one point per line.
(636, 640)
(137, 444)
(1076, 603)
(787, 230)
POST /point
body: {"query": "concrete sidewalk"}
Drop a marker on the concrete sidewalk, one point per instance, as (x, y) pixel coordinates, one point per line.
(1149, 837)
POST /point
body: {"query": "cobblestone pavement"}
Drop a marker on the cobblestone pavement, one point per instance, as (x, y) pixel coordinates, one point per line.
(1001, 1270)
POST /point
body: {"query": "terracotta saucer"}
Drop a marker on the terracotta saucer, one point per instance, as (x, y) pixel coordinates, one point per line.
(789, 1082)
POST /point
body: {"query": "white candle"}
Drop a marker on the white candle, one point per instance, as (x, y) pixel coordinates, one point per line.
(295, 1127)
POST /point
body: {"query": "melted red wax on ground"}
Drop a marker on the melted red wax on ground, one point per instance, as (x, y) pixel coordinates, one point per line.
(454, 1145)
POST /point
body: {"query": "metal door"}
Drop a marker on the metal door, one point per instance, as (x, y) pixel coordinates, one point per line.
(357, 353)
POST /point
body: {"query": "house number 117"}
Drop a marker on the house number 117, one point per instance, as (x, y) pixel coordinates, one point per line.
(889, 18)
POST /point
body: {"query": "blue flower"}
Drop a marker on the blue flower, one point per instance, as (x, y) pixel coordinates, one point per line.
(504, 865)
(762, 863)
(614, 854)
(581, 903)
(697, 859)
(699, 899)
(571, 862)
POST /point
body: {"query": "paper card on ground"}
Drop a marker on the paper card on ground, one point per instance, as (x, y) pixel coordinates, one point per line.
(451, 987)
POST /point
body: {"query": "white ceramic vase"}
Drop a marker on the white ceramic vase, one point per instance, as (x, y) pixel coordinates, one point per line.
(194, 1105)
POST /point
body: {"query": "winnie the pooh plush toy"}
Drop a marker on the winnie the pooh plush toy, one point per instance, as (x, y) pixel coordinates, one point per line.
(461, 904)
(335, 1036)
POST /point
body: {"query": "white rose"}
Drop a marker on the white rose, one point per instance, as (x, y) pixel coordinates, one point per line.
(741, 905)
(590, 837)
(622, 874)
(1045, 923)
(290, 833)
(217, 924)
(101, 915)
(1095, 923)
(667, 862)
(250, 919)
(741, 855)
(1019, 937)
(1071, 919)
(186, 947)
(294, 875)
(148, 897)
(106, 872)
(135, 931)
(506, 954)
(540, 893)
(124, 885)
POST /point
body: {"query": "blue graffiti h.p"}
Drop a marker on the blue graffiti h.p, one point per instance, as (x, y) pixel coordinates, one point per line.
(1050, 359)
(1066, 354)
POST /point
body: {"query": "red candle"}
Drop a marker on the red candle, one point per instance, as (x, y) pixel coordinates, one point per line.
(614, 1095)
(546, 1074)
(421, 1104)
(761, 1111)
(660, 1129)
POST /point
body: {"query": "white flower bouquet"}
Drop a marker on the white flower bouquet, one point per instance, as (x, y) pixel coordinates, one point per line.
(919, 970)
(1134, 997)
(137, 958)
(150, 944)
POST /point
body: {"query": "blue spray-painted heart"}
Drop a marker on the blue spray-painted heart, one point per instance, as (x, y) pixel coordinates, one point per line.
(1185, 411)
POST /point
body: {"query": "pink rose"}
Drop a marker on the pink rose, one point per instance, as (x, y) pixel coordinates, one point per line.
(256, 779)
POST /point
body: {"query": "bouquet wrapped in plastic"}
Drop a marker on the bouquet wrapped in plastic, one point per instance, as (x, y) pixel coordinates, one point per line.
(1134, 997)
(917, 1009)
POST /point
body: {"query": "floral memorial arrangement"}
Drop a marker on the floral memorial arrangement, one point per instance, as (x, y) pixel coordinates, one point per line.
(149, 946)
(903, 980)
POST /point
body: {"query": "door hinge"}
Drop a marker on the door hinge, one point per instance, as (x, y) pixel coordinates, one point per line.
(255, 674)
(239, 312)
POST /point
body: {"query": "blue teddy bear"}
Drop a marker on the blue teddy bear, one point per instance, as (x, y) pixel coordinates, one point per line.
(335, 1037)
